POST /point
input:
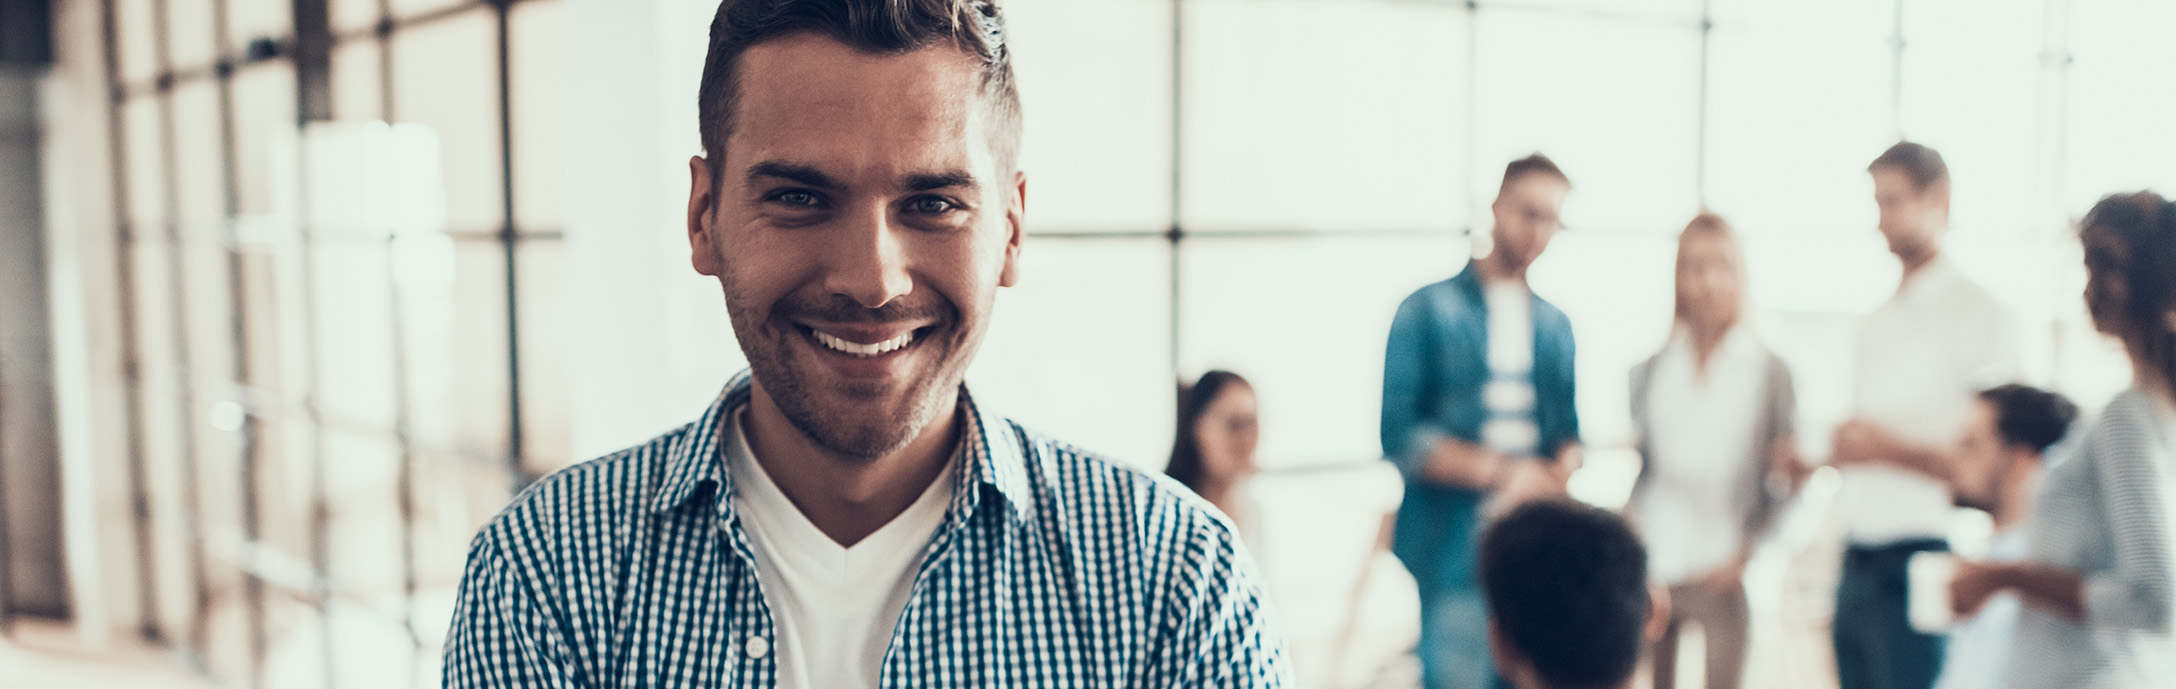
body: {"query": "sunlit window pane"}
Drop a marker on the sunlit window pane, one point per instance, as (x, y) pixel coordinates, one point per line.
(264, 133)
(403, 9)
(538, 60)
(143, 141)
(1793, 118)
(1325, 115)
(1615, 104)
(2120, 103)
(189, 33)
(357, 87)
(1972, 91)
(1097, 145)
(348, 16)
(136, 40)
(445, 75)
(200, 171)
(249, 20)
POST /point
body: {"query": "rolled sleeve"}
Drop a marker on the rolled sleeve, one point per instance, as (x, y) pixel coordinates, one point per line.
(1408, 374)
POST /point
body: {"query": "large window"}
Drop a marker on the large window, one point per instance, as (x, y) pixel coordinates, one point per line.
(376, 259)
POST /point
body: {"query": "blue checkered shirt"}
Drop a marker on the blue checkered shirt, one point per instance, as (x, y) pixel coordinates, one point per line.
(1053, 568)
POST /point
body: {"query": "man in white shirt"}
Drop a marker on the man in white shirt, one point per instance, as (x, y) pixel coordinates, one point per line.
(1998, 467)
(1921, 358)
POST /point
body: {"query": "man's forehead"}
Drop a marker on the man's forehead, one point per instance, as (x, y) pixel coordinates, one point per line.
(808, 69)
(816, 102)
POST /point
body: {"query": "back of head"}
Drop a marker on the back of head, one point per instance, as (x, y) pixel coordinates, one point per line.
(1923, 165)
(2130, 263)
(2030, 417)
(881, 27)
(1567, 588)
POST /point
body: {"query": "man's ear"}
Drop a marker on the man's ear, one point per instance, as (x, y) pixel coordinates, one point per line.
(703, 251)
(1016, 211)
(1941, 191)
(1658, 612)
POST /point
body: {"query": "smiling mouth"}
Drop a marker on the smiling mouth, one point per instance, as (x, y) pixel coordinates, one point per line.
(863, 350)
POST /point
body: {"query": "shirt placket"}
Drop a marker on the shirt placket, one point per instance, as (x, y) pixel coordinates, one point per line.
(751, 638)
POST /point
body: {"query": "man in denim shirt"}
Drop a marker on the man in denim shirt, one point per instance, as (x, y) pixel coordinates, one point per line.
(1477, 415)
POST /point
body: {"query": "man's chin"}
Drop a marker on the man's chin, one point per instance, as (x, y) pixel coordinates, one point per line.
(858, 431)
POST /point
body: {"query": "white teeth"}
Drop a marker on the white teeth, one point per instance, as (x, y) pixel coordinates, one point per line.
(863, 350)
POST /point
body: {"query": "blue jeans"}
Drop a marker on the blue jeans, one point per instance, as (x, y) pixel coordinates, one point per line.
(1876, 647)
(1454, 639)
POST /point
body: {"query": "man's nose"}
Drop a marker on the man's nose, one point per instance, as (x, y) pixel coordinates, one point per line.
(868, 262)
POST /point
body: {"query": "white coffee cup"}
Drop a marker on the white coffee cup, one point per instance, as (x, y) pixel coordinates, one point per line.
(1930, 606)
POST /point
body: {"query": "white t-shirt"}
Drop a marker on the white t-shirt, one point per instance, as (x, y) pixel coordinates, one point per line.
(1509, 392)
(1922, 357)
(1701, 433)
(834, 606)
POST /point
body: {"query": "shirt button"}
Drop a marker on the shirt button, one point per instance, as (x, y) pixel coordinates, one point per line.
(758, 647)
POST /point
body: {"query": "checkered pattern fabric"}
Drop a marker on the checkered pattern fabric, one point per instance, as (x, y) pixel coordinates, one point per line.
(1054, 568)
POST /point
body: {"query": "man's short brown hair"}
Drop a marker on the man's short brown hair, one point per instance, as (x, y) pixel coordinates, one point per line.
(1922, 165)
(1535, 164)
(880, 27)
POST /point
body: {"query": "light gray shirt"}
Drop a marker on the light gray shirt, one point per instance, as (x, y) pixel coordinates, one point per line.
(2104, 513)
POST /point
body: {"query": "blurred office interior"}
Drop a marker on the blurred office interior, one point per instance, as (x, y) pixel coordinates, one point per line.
(294, 294)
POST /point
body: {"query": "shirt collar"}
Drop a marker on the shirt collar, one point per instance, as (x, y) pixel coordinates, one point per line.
(995, 459)
(1739, 340)
(1931, 280)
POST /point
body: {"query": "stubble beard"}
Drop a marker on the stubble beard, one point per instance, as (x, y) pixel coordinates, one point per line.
(860, 421)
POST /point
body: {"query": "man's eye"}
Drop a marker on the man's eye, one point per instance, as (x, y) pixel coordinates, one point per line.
(796, 197)
(931, 205)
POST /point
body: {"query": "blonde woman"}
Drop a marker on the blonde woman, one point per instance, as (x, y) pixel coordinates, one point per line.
(1713, 412)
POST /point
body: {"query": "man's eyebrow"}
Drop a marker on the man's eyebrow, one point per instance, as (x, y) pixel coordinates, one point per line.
(929, 181)
(792, 172)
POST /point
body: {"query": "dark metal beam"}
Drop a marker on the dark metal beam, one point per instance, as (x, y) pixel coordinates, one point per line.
(252, 429)
(131, 349)
(515, 451)
(1177, 233)
(313, 41)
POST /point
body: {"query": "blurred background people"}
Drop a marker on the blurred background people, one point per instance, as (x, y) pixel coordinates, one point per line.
(1213, 450)
(1477, 404)
(2097, 580)
(1714, 415)
(1921, 357)
(1999, 461)
(1570, 604)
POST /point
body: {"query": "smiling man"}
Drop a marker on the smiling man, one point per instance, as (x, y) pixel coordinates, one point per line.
(844, 514)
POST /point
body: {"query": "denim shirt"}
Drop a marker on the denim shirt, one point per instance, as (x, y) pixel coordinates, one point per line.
(1433, 374)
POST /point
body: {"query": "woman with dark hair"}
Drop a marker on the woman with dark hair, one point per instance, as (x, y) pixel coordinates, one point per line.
(2097, 585)
(1213, 449)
